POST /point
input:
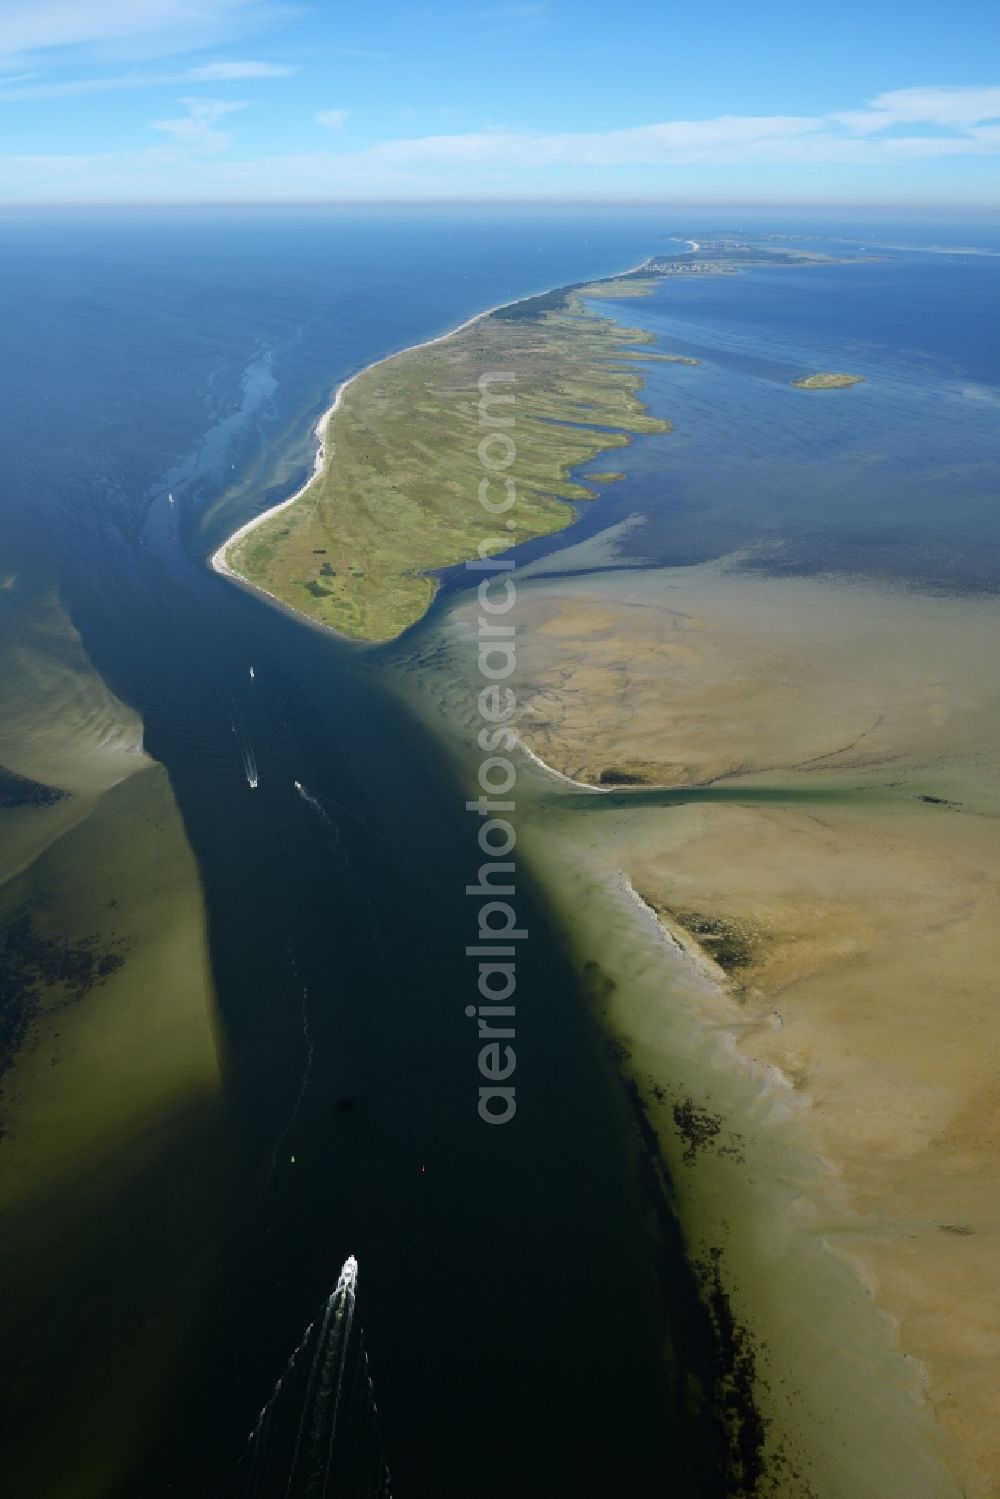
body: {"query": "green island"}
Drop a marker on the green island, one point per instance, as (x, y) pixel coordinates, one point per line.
(397, 492)
(827, 382)
(395, 497)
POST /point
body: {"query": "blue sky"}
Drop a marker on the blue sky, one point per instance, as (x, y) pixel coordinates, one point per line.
(881, 102)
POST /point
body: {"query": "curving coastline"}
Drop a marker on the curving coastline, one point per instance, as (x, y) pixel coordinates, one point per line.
(324, 454)
(218, 559)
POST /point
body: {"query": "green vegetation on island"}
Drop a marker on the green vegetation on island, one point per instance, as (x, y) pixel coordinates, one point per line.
(399, 493)
(397, 498)
(827, 382)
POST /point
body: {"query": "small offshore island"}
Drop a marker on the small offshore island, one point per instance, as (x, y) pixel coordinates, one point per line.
(828, 382)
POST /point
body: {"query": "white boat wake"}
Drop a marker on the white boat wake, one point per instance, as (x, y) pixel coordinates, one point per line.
(246, 750)
(312, 802)
(317, 1436)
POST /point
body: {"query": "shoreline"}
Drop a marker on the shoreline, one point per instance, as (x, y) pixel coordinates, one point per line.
(217, 561)
(814, 909)
(558, 775)
(776, 1242)
(823, 1198)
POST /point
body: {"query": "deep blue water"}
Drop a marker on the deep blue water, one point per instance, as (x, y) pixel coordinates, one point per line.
(191, 352)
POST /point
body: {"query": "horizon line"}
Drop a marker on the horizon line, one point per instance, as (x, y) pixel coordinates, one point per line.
(881, 205)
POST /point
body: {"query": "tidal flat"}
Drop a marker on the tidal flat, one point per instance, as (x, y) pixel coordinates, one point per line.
(110, 1085)
(790, 914)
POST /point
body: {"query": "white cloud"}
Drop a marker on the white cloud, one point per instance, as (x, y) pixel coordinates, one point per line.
(196, 130)
(19, 87)
(955, 108)
(333, 119)
(926, 125)
(215, 72)
(68, 88)
(159, 26)
(958, 108)
(727, 139)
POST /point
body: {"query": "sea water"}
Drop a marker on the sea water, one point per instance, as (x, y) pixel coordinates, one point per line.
(163, 372)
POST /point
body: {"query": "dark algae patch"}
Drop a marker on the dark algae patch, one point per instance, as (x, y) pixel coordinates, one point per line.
(745, 1426)
(18, 791)
(39, 975)
(696, 1127)
(726, 942)
(613, 777)
(721, 1394)
(727, 1429)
